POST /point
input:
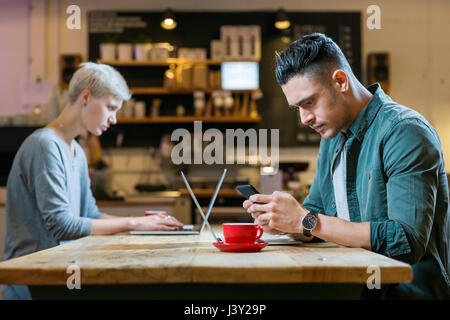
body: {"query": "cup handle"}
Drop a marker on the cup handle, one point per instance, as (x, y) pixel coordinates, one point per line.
(259, 233)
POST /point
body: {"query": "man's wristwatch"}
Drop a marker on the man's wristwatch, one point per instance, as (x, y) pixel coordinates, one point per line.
(309, 222)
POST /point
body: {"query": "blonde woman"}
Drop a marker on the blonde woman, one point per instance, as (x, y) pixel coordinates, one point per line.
(49, 199)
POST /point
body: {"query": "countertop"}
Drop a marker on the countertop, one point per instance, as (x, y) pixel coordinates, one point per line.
(166, 197)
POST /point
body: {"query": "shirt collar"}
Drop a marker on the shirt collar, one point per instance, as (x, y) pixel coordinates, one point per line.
(367, 115)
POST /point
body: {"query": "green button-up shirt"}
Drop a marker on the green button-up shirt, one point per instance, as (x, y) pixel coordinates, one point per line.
(396, 179)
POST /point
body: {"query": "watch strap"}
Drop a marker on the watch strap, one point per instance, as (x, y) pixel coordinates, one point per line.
(307, 232)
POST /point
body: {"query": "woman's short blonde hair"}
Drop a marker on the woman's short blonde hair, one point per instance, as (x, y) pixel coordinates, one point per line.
(100, 79)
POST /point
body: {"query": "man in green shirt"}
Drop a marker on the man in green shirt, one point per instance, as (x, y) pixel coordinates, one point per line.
(380, 182)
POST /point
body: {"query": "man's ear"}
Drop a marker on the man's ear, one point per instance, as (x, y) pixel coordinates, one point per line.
(340, 80)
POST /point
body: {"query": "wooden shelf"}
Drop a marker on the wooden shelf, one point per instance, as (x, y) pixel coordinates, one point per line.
(187, 119)
(168, 62)
(166, 91)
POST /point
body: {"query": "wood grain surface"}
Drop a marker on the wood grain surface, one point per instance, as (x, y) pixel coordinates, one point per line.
(132, 259)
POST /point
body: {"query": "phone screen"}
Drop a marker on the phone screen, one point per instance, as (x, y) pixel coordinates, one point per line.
(247, 190)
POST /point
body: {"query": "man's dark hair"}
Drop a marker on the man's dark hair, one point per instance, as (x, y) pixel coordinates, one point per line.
(313, 55)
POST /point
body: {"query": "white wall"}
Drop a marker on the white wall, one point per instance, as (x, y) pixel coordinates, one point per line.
(14, 19)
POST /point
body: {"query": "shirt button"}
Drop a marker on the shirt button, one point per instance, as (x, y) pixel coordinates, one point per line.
(333, 205)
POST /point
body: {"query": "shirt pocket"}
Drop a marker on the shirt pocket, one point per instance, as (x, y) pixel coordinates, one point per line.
(372, 195)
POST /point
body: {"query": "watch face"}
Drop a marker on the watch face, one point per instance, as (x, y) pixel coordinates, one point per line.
(309, 222)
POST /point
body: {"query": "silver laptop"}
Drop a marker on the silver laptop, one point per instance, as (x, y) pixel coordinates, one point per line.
(189, 230)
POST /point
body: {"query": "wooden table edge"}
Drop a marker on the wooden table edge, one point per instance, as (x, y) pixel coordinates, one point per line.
(201, 274)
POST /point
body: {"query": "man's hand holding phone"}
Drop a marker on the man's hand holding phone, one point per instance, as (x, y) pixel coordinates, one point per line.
(248, 191)
(276, 212)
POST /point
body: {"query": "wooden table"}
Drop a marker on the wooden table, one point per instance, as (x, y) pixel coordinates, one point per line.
(162, 267)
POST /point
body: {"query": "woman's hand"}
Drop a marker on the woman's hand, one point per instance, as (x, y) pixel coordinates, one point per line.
(156, 222)
(111, 224)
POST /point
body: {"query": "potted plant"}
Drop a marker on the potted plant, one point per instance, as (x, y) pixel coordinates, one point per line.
(125, 51)
(108, 48)
(142, 46)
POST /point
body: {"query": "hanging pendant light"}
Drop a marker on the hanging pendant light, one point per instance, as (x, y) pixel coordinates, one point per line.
(282, 20)
(168, 21)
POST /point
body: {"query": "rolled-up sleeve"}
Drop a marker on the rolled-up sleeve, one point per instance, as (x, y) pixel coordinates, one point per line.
(411, 157)
(53, 200)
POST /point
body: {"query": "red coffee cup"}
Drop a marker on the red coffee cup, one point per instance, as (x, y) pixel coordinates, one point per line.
(241, 232)
(152, 213)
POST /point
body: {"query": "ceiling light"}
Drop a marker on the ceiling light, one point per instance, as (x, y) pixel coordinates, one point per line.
(168, 21)
(282, 20)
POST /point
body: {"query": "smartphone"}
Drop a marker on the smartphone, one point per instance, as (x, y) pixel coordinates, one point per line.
(247, 190)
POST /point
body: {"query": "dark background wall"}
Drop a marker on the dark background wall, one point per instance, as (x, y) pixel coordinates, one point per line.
(197, 29)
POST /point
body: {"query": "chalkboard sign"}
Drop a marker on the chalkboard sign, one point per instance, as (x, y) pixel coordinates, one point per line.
(197, 29)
